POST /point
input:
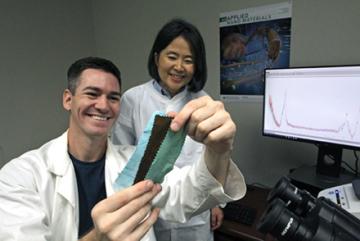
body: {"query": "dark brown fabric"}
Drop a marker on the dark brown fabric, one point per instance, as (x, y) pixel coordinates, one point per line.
(158, 133)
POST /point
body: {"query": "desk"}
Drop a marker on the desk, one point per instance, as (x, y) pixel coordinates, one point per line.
(307, 178)
(231, 231)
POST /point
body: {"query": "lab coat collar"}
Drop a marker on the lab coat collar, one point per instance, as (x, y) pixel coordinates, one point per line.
(58, 157)
(156, 88)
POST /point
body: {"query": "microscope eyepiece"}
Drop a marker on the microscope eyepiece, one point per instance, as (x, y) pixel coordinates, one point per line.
(282, 223)
(297, 200)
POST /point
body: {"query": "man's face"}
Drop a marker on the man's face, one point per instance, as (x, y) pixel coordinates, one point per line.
(95, 105)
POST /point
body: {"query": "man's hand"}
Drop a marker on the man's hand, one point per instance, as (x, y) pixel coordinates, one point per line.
(217, 216)
(126, 215)
(210, 124)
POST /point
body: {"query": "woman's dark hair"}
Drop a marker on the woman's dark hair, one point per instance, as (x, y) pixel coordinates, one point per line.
(80, 65)
(172, 30)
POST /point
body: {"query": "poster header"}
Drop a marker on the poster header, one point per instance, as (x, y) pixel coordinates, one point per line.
(258, 14)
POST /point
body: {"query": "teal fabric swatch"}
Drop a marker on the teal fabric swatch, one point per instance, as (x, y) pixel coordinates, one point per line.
(167, 154)
(163, 162)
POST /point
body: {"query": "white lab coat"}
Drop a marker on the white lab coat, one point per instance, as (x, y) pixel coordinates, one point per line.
(137, 106)
(39, 197)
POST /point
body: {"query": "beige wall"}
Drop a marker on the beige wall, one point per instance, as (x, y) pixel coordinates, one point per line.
(324, 32)
(39, 39)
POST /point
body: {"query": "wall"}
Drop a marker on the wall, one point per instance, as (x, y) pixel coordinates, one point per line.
(324, 32)
(39, 40)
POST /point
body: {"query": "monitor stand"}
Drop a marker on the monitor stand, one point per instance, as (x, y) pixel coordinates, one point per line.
(307, 178)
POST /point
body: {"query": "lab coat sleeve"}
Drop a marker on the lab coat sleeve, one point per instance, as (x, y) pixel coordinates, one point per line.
(191, 190)
(123, 129)
(21, 212)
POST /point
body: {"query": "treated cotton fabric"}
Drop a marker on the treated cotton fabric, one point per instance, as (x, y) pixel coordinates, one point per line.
(164, 160)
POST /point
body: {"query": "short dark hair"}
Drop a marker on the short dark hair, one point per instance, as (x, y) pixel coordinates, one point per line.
(82, 64)
(171, 30)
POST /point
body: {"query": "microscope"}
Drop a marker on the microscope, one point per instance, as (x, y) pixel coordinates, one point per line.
(295, 215)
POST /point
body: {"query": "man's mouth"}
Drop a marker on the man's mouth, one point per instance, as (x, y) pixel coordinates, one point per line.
(99, 117)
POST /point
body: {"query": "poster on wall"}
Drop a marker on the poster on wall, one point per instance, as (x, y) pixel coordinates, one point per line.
(252, 40)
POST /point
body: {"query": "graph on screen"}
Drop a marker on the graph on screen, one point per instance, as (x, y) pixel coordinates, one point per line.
(320, 104)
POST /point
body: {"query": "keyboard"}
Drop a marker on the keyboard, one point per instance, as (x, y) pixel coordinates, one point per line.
(240, 213)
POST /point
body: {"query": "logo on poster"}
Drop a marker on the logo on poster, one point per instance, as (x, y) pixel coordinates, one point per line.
(243, 18)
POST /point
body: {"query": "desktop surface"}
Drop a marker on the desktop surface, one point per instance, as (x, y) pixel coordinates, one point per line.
(230, 230)
(305, 177)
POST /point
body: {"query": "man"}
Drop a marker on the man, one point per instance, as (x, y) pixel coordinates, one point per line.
(63, 190)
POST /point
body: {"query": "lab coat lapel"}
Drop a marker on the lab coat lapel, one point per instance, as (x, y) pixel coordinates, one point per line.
(67, 187)
(60, 164)
(65, 208)
(113, 165)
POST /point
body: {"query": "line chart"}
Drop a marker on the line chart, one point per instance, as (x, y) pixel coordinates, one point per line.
(282, 120)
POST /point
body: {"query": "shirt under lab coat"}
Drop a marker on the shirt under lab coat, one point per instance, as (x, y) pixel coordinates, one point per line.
(39, 197)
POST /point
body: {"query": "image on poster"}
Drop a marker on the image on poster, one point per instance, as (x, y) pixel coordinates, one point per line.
(252, 40)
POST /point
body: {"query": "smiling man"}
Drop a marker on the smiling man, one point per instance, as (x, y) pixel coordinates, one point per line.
(63, 190)
(94, 104)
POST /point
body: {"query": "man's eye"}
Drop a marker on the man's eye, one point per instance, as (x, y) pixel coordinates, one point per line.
(91, 94)
(114, 98)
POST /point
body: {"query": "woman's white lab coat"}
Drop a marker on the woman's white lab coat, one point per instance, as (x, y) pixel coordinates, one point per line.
(137, 106)
(39, 197)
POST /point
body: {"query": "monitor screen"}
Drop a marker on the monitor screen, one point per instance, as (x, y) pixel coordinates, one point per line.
(314, 104)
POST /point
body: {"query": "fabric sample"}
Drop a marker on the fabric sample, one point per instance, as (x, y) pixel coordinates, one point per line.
(155, 154)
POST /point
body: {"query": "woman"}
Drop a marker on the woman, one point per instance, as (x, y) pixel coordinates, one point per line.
(177, 64)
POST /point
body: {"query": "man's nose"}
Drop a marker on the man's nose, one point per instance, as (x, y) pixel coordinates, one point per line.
(102, 103)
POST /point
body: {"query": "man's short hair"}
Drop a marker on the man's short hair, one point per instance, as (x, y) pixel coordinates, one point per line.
(80, 65)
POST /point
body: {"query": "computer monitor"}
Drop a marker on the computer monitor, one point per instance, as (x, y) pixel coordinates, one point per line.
(320, 105)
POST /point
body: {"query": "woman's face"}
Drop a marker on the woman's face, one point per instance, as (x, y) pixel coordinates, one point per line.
(175, 65)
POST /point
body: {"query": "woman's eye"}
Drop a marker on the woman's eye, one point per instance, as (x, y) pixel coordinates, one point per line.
(189, 61)
(172, 57)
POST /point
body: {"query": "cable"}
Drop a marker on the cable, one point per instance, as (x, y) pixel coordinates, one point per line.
(354, 170)
(258, 184)
(356, 163)
(349, 167)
